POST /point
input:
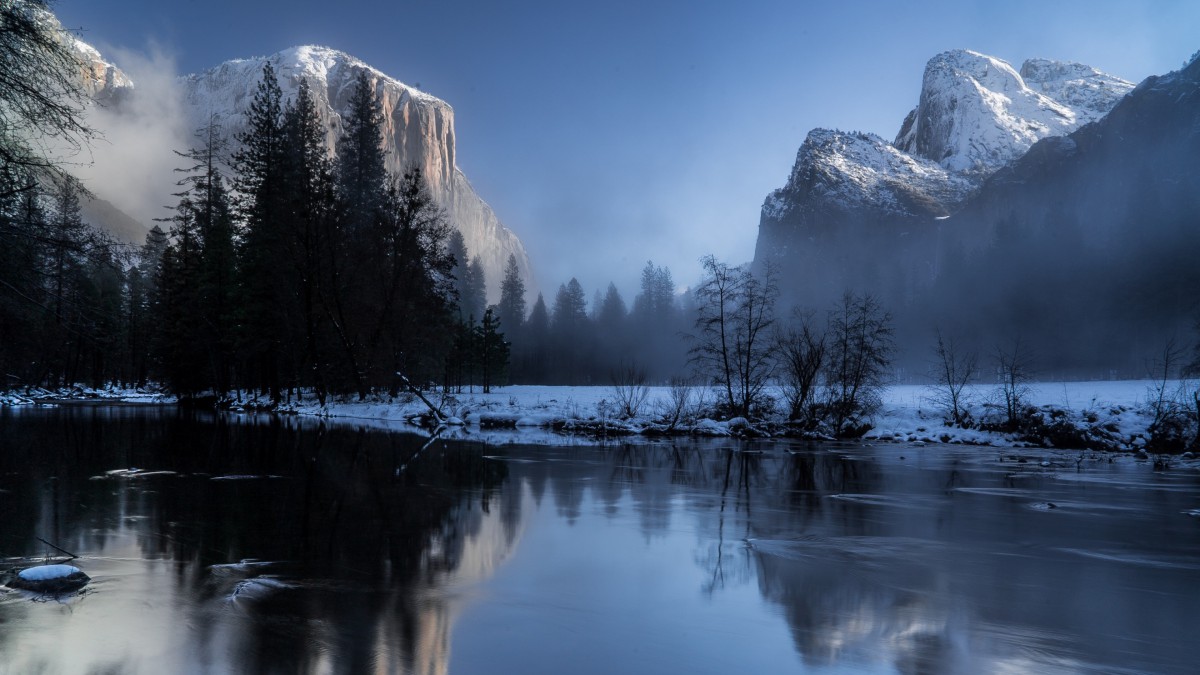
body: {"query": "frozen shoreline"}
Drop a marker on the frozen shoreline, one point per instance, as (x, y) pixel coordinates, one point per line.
(1104, 415)
(1099, 415)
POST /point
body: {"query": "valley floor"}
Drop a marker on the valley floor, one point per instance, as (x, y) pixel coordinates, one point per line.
(1108, 415)
(1100, 415)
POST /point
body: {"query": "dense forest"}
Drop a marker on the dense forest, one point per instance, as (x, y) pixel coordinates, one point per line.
(279, 268)
(282, 268)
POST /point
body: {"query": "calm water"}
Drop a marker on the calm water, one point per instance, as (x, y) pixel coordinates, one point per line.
(278, 546)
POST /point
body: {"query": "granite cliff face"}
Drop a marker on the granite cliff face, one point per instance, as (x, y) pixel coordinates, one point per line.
(849, 193)
(418, 131)
(101, 80)
(1083, 243)
(976, 113)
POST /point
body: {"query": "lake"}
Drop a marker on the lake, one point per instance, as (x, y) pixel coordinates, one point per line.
(260, 544)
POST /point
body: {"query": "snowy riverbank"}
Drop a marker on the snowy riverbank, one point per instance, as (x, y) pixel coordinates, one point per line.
(1110, 415)
(1104, 415)
(109, 395)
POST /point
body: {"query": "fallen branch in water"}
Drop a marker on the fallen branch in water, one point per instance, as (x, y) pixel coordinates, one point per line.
(56, 548)
(437, 414)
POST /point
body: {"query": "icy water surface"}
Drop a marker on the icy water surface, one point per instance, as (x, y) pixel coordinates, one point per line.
(258, 545)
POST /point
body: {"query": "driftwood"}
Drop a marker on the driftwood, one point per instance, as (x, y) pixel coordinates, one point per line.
(60, 550)
(437, 414)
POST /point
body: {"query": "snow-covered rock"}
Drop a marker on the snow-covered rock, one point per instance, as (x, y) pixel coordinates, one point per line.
(845, 171)
(418, 131)
(977, 113)
(102, 81)
(50, 579)
(1090, 93)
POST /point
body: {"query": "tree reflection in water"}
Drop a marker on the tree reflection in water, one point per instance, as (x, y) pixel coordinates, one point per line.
(550, 559)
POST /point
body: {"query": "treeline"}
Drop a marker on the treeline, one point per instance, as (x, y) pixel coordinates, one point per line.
(300, 271)
(571, 342)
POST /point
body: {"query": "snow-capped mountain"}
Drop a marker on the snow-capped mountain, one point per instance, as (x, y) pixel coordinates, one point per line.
(845, 171)
(101, 80)
(418, 130)
(851, 195)
(1084, 241)
(976, 113)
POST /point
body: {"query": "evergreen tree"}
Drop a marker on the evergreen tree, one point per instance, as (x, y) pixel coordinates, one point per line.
(312, 239)
(570, 307)
(361, 171)
(570, 340)
(493, 351)
(511, 310)
(22, 251)
(182, 365)
(611, 314)
(537, 338)
(211, 214)
(260, 180)
(141, 305)
(475, 297)
(469, 287)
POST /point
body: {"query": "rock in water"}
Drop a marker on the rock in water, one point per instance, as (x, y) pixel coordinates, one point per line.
(51, 579)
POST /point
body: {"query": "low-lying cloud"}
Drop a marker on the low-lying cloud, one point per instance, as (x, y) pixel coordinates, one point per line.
(134, 161)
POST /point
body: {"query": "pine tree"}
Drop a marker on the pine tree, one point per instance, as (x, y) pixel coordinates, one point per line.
(537, 336)
(511, 310)
(570, 341)
(493, 351)
(211, 213)
(611, 314)
(181, 364)
(469, 282)
(259, 177)
(312, 239)
(141, 298)
(361, 171)
(476, 290)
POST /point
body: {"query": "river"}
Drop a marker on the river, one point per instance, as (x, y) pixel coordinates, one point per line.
(260, 544)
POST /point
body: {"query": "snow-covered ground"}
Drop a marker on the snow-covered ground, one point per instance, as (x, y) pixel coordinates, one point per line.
(1109, 415)
(111, 394)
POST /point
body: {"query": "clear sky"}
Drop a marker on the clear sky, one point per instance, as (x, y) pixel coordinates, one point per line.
(609, 133)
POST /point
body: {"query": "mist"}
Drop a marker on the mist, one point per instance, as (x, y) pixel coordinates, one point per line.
(133, 162)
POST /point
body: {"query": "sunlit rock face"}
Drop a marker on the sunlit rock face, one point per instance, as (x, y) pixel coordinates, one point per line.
(418, 131)
(851, 195)
(976, 113)
(102, 81)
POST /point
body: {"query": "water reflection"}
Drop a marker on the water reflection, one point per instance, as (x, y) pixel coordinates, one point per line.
(353, 556)
(285, 546)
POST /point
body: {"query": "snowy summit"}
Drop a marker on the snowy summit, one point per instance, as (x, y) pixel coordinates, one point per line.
(977, 113)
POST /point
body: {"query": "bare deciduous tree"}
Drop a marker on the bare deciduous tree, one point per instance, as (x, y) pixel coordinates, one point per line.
(679, 404)
(801, 351)
(732, 346)
(41, 97)
(629, 389)
(1014, 370)
(860, 349)
(1174, 402)
(952, 370)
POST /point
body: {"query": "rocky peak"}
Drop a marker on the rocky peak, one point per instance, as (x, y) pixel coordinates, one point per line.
(418, 131)
(849, 170)
(976, 114)
(101, 80)
(1090, 93)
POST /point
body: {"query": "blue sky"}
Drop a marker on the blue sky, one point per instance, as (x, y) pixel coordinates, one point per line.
(606, 134)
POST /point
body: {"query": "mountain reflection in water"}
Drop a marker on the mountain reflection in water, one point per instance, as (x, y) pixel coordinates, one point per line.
(341, 549)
